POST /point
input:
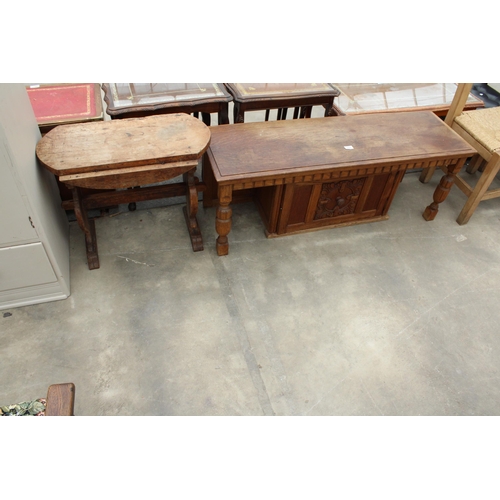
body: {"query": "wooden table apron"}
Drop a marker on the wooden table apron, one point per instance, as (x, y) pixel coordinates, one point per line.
(337, 159)
(125, 155)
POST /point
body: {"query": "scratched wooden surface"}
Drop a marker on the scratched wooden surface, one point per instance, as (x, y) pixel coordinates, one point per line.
(249, 150)
(90, 147)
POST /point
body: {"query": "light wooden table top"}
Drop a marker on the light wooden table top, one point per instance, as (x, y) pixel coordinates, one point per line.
(92, 147)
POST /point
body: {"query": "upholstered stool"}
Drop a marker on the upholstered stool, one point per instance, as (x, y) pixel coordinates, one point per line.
(60, 402)
(481, 129)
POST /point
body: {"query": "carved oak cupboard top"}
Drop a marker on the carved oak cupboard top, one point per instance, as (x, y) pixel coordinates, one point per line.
(260, 149)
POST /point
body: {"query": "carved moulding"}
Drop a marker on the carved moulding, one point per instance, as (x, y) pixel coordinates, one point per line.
(338, 198)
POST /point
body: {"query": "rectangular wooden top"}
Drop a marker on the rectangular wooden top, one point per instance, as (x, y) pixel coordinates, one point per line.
(132, 142)
(278, 148)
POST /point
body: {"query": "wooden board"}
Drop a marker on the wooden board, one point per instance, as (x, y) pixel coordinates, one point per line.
(90, 147)
(261, 150)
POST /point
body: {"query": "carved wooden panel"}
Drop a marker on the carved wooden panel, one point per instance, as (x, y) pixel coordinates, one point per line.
(341, 201)
(338, 198)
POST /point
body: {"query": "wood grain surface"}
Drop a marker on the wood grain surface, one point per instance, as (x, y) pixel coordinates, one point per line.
(251, 150)
(90, 147)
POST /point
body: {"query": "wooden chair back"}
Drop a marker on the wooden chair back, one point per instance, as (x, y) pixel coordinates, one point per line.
(458, 103)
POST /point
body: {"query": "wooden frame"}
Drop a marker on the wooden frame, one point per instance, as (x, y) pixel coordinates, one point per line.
(60, 400)
(340, 171)
(491, 159)
(131, 155)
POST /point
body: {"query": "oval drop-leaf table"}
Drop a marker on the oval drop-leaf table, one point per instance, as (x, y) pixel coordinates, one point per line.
(125, 155)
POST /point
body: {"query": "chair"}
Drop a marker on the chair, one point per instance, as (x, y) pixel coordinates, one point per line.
(481, 129)
(60, 402)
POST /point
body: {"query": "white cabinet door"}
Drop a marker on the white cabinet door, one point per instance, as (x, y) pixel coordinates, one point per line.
(25, 265)
(15, 226)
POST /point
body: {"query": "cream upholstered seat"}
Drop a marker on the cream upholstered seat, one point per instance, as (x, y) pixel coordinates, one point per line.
(481, 129)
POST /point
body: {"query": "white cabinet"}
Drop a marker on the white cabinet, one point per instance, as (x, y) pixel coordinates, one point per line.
(32, 260)
(15, 224)
(34, 230)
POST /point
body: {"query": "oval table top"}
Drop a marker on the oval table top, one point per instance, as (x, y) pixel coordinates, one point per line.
(112, 144)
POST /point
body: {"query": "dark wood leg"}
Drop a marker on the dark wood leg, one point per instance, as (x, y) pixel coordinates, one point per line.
(239, 115)
(442, 190)
(223, 219)
(88, 228)
(210, 192)
(329, 109)
(132, 206)
(305, 112)
(223, 117)
(206, 119)
(190, 211)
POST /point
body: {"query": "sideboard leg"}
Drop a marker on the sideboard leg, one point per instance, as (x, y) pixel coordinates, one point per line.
(442, 190)
(223, 219)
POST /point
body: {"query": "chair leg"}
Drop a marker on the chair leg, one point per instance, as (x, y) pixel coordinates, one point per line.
(426, 175)
(474, 164)
(482, 186)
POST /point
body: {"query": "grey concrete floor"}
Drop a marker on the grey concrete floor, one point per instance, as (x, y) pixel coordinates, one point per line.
(398, 317)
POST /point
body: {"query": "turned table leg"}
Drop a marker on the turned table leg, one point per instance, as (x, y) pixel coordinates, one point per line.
(190, 211)
(88, 228)
(223, 219)
(443, 189)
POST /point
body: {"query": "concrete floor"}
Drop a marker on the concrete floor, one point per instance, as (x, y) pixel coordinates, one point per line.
(390, 318)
